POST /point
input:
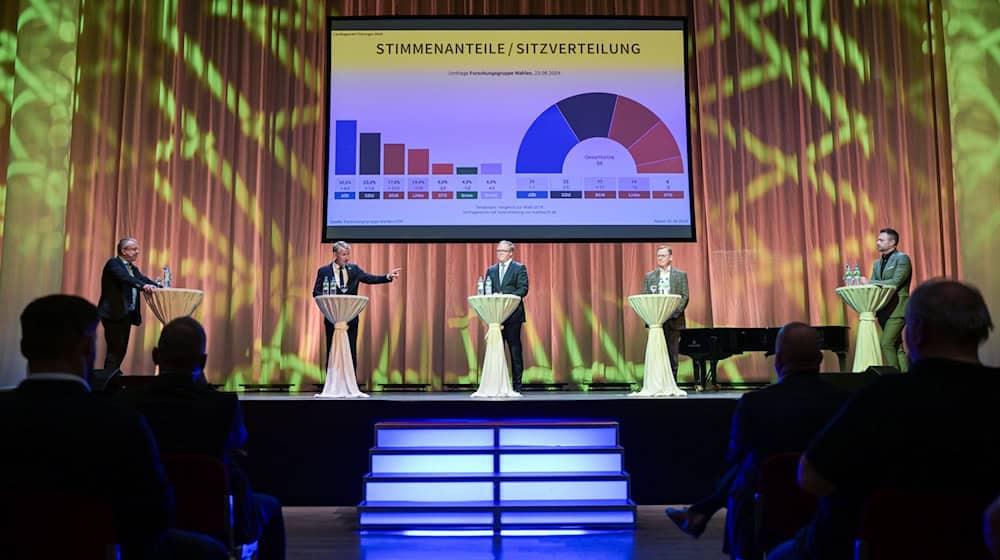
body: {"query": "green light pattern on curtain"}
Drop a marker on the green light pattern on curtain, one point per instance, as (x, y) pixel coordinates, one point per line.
(198, 128)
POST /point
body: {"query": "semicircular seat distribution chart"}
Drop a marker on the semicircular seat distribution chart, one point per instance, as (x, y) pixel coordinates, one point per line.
(598, 115)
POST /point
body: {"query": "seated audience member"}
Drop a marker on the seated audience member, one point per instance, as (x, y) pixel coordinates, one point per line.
(189, 416)
(56, 435)
(931, 429)
(779, 418)
(993, 528)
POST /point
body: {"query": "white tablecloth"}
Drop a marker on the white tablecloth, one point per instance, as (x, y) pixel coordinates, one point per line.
(495, 378)
(655, 309)
(168, 304)
(866, 300)
(340, 375)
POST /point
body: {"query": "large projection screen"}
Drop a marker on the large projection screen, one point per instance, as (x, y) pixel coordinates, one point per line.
(532, 129)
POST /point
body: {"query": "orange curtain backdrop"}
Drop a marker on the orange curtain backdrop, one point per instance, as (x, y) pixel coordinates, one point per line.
(200, 131)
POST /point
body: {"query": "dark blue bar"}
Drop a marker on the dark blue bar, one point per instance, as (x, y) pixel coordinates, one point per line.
(346, 157)
(532, 194)
(368, 195)
(343, 196)
(566, 194)
(371, 153)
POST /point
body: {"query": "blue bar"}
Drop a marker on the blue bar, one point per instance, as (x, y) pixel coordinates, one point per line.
(346, 157)
(343, 195)
(532, 194)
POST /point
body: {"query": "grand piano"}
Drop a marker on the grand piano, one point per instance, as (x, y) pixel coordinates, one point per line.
(713, 344)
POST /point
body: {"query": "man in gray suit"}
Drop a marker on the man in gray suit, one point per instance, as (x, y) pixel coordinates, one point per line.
(892, 269)
(665, 279)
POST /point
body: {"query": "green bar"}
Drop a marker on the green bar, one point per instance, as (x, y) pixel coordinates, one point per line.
(466, 171)
(468, 195)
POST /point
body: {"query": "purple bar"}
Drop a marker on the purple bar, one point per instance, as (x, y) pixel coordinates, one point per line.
(489, 194)
(490, 169)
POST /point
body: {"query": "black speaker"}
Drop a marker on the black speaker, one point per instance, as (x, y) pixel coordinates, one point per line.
(102, 380)
(849, 381)
(883, 370)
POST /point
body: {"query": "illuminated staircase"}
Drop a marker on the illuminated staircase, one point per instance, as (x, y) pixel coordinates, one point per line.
(498, 476)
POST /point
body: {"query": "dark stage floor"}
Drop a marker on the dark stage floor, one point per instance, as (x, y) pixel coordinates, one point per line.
(314, 452)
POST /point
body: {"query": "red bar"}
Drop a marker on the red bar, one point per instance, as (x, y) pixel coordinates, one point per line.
(442, 169)
(416, 194)
(668, 194)
(599, 194)
(389, 195)
(419, 161)
(633, 194)
(392, 159)
(438, 195)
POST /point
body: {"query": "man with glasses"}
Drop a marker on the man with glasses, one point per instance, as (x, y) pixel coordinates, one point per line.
(511, 277)
(118, 308)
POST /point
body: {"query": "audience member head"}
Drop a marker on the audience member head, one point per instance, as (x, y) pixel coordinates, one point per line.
(796, 350)
(59, 334)
(946, 319)
(181, 349)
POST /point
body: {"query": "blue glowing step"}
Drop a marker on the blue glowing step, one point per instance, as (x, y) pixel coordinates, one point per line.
(592, 514)
(563, 486)
(510, 459)
(496, 434)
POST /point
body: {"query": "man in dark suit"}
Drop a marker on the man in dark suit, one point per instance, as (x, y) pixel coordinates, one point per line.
(121, 282)
(56, 435)
(189, 416)
(894, 269)
(343, 277)
(511, 277)
(778, 418)
(665, 279)
(926, 431)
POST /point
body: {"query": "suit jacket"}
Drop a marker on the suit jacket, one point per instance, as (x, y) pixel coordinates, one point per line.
(761, 425)
(897, 273)
(355, 276)
(116, 291)
(515, 281)
(56, 435)
(678, 285)
(192, 417)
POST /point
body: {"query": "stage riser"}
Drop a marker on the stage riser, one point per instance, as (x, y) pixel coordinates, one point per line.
(554, 491)
(310, 452)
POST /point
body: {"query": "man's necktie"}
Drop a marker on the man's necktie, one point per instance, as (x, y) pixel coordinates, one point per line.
(131, 305)
(503, 272)
(343, 278)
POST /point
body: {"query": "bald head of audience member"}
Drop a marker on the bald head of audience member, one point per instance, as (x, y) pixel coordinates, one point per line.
(59, 334)
(181, 348)
(796, 350)
(948, 320)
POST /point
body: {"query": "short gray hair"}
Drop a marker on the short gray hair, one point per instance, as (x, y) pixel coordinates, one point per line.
(510, 246)
(122, 242)
(340, 246)
(667, 247)
(950, 311)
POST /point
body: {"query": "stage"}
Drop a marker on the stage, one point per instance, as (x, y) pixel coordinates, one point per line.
(314, 452)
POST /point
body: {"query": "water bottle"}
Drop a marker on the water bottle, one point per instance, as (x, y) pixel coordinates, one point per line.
(857, 275)
(480, 286)
(326, 285)
(488, 289)
(847, 275)
(166, 277)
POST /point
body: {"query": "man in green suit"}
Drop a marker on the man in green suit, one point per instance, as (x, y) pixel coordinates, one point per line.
(892, 269)
(665, 279)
